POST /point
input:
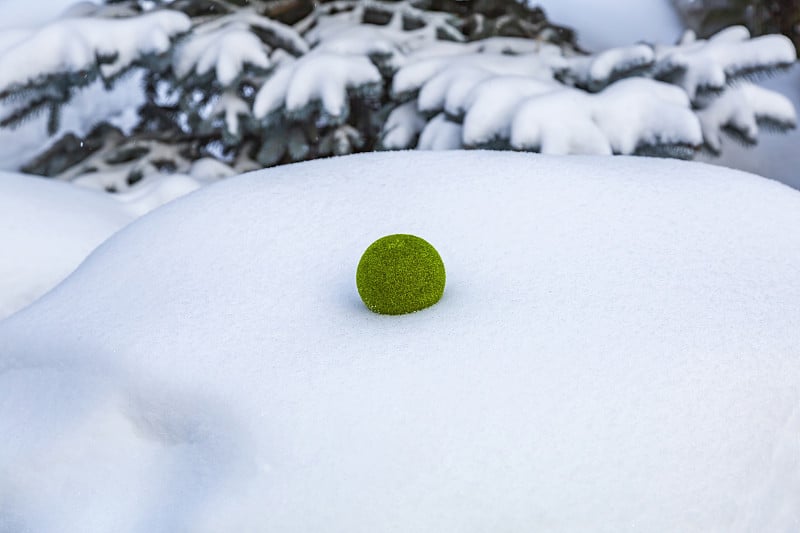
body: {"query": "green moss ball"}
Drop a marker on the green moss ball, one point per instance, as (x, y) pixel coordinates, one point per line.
(400, 274)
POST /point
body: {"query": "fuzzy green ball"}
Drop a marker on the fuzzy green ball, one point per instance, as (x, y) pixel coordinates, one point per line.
(400, 274)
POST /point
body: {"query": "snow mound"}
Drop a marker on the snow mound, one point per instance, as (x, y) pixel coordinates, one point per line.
(616, 350)
(46, 229)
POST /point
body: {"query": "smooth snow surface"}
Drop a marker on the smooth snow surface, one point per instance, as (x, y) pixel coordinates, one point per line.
(616, 350)
(48, 227)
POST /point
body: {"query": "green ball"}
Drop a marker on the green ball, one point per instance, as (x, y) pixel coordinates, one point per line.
(400, 274)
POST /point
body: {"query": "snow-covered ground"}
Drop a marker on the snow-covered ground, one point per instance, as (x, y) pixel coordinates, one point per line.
(616, 350)
(47, 228)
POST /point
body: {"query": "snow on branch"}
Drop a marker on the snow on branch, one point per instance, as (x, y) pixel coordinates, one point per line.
(87, 44)
(489, 108)
(630, 116)
(703, 66)
(440, 133)
(226, 51)
(231, 108)
(401, 15)
(740, 111)
(230, 44)
(597, 71)
(441, 81)
(543, 101)
(266, 82)
(317, 81)
(516, 112)
(383, 46)
(402, 127)
(120, 163)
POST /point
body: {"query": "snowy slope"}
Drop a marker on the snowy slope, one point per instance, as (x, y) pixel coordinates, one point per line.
(47, 228)
(616, 350)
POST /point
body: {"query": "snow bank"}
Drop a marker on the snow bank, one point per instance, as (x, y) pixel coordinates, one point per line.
(48, 227)
(616, 350)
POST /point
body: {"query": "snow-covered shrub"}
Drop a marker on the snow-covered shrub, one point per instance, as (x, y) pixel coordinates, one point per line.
(400, 274)
(262, 83)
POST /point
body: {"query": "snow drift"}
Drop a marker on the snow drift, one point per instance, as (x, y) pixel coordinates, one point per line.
(48, 227)
(616, 350)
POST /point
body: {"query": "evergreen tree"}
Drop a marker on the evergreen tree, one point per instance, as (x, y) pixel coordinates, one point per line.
(235, 85)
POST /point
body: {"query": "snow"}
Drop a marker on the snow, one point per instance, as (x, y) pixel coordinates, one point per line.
(742, 108)
(450, 86)
(774, 156)
(551, 119)
(445, 71)
(225, 49)
(123, 40)
(48, 227)
(381, 44)
(227, 45)
(710, 65)
(597, 71)
(616, 350)
(232, 107)
(431, 24)
(446, 76)
(322, 78)
(403, 125)
(492, 104)
(36, 36)
(20, 145)
(440, 134)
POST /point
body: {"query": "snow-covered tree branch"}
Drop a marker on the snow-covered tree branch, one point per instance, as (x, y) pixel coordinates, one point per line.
(263, 82)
